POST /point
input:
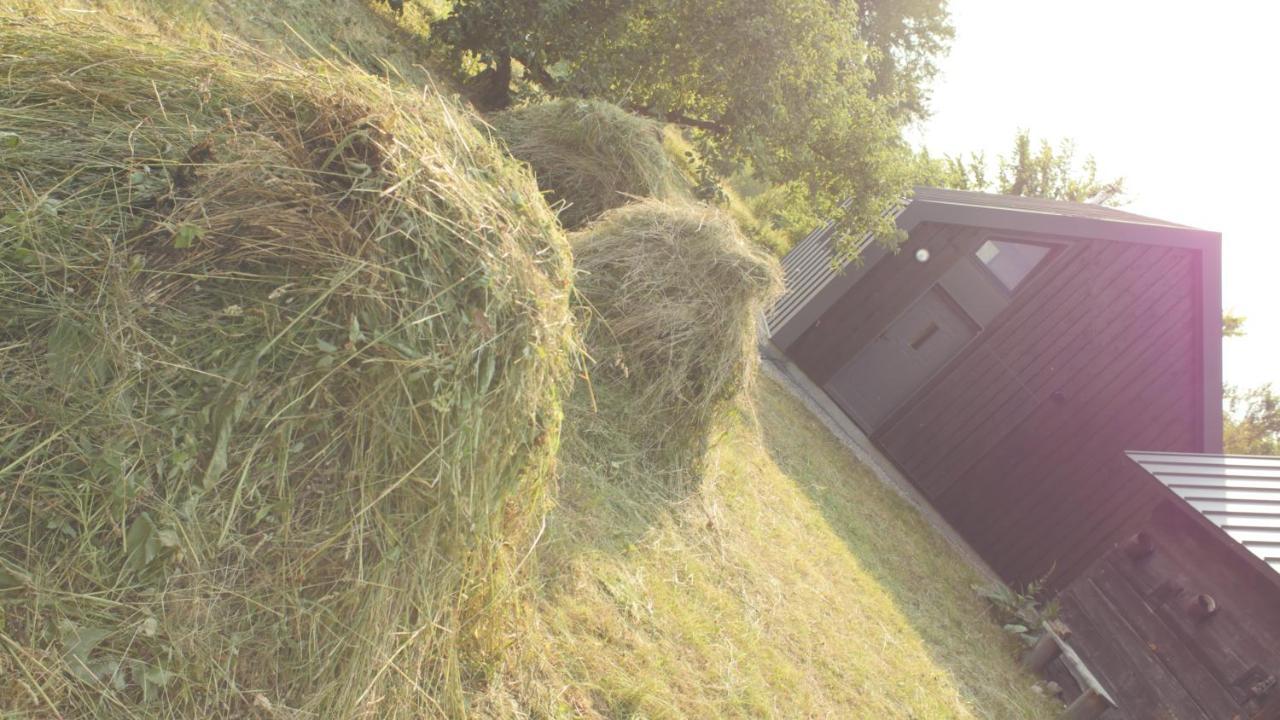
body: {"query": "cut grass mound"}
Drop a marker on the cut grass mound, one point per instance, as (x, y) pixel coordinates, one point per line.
(589, 155)
(675, 292)
(281, 352)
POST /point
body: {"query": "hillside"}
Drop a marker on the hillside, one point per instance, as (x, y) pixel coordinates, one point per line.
(774, 577)
(790, 583)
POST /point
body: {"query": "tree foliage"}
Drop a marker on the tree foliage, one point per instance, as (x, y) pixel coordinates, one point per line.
(808, 91)
(1251, 421)
(1030, 169)
(1232, 324)
(905, 38)
(1251, 418)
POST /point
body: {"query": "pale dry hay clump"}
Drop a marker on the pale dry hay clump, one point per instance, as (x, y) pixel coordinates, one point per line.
(675, 292)
(281, 357)
(589, 155)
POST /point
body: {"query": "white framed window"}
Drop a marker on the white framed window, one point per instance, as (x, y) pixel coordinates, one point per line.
(1011, 262)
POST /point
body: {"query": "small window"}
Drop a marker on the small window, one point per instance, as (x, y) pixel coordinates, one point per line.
(1011, 262)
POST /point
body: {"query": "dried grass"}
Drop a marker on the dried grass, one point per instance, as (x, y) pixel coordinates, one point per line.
(590, 156)
(281, 352)
(676, 293)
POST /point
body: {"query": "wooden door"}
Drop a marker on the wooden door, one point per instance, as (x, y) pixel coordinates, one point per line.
(909, 352)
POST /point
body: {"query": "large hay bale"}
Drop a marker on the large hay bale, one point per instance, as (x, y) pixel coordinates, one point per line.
(675, 292)
(280, 357)
(589, 155)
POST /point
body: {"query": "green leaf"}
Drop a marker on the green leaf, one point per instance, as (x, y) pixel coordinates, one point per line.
(560, 70)
(62, 525)
(186, 235)
(486, 371)
(9, 140)
(353, 332)
(1017, 629)
(73, 356)
(226, 413)
(137, 543)
(146, 544)
(326, 346)
(78, 643)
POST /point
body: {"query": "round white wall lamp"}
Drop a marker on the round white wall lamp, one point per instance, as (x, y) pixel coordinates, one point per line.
(922, 255)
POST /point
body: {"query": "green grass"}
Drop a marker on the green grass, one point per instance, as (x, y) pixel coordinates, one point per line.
(785, 581)
(363, 32)
(788, 583)
(283, 348)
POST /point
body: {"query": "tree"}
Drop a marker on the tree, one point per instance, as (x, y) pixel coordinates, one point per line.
(807, 91)
(500, 33)
(1250, 418)
(905, 38)
(1029, 170)
(1252, 421)
(1232, 325)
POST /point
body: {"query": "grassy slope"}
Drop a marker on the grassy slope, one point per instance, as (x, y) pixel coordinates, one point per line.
(788, 584)
(362, 32)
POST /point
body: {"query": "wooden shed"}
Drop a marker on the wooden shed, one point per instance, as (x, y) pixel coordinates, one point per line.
(1182, 619)
(1008, 353)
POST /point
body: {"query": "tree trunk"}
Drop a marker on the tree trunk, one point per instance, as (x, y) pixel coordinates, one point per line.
(493, 86)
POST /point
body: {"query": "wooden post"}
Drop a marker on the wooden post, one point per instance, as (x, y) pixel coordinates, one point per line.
(1089, 706)
(1041, 654)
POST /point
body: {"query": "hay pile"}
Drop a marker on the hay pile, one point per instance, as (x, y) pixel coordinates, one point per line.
(281, 352)
(675, 292)
(589, 155)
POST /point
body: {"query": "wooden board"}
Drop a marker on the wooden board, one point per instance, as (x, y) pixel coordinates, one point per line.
(1130, 623)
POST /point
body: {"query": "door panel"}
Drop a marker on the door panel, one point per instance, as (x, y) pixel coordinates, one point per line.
(893, 366)
(975, 290)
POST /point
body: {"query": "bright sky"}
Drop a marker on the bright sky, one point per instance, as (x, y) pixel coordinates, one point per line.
(1179, 98)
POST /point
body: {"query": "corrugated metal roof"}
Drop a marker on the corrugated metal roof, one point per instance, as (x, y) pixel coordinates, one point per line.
(808, 267)
(1238, 493)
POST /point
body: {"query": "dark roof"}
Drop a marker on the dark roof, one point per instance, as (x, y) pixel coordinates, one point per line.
(809, 268)
(1238, 493)
(1018, 203)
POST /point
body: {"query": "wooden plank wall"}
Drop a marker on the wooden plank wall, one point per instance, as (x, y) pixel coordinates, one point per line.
(1019, 442)
(876, 300)
(1130, 624)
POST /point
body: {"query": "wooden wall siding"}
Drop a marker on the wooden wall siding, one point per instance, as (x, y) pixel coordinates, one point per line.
(1020, 441)
(1018, 352)
(878, 298)
(1055, 490)
(1130, 625)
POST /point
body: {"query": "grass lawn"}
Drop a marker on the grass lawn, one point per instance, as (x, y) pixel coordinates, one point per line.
(789, 583)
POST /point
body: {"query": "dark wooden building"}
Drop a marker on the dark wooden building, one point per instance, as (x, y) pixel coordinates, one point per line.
(1182, 619)
(1008, 353)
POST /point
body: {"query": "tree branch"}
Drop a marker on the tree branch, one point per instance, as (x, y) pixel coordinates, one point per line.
(679, 118)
